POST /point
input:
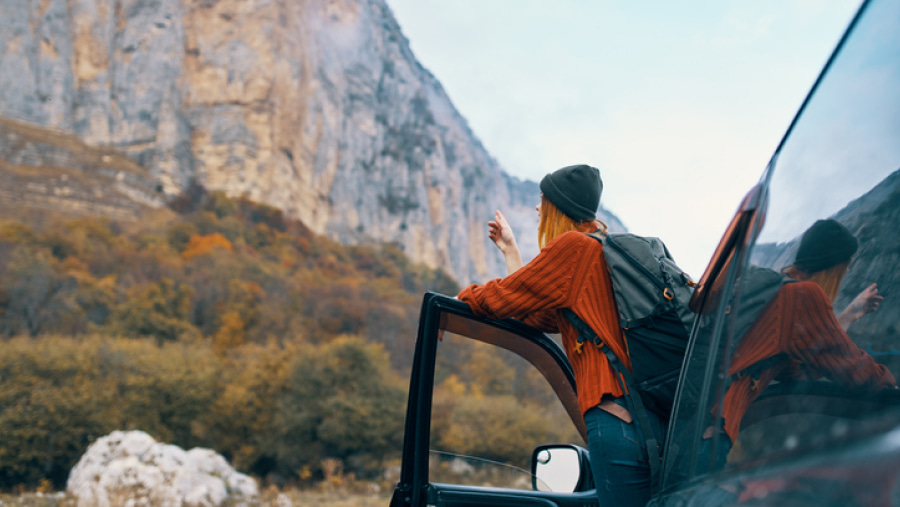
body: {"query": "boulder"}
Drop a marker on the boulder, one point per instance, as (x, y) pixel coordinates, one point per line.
(131, 468)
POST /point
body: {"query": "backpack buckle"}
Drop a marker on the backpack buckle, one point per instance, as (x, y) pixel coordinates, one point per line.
(668, 294)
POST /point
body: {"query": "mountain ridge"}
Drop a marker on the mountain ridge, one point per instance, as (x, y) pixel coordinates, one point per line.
(318, 108)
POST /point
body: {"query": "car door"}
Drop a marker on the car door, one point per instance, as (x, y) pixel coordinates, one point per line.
(825, 430)
(470, 444)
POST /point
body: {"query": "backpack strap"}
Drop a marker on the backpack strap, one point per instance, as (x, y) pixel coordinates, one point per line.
(632, 396)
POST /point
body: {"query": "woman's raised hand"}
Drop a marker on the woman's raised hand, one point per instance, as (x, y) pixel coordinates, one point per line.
(501, 233)
(865, 302)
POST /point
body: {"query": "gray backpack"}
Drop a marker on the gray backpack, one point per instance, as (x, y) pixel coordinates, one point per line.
(652, 295)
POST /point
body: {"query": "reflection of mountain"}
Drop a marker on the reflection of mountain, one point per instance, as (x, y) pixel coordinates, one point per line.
(875, 220)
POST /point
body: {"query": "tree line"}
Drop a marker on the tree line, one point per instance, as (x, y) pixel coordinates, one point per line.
(223, 324)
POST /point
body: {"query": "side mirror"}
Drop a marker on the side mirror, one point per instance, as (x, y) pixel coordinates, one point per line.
(561, 468)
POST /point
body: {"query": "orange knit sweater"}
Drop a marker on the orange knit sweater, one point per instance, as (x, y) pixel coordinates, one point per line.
(800, 323)
(570, 272)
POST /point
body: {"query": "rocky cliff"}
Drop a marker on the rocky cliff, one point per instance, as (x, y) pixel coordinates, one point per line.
(49, 171)
(317, 107)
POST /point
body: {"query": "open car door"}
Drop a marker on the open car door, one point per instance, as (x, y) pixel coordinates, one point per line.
(499, 426)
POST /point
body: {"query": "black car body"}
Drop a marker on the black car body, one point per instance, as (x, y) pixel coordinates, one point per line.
(814, 442)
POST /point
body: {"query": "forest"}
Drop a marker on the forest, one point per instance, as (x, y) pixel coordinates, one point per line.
(221, 323)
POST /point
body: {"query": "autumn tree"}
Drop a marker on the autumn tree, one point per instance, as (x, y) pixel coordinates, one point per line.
(157, 310)
(38, 298)
(241, 423)
(340, 401)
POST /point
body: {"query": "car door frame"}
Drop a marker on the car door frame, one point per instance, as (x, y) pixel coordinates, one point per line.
(439, 313)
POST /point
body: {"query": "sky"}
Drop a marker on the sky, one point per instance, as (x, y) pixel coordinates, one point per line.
(679, 104)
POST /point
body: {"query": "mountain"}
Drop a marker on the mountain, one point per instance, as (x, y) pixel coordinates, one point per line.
(316, 107)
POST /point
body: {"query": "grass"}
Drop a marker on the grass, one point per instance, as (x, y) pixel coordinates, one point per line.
(37, 500)
(310, 498)
(298, 498)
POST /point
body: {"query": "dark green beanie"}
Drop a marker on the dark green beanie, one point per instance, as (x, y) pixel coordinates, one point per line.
(575, 190)
(825, 245)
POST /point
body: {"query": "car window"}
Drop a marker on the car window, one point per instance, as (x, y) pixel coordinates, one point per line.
(840, 165)
(777, 367)
(491, 408)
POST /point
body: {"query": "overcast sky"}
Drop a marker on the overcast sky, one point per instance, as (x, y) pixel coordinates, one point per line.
(679, 104)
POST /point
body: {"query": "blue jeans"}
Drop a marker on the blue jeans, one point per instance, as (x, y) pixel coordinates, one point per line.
(618, 459)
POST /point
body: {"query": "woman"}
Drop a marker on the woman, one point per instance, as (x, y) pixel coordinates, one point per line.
(571, 272)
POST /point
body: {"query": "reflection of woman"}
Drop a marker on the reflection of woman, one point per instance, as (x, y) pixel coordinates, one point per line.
(571, 272)
(816, 264)
(798, 336)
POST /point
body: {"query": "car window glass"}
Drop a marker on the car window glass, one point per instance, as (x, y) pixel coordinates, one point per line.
(782, 375)
(838, 171)
(491, 408)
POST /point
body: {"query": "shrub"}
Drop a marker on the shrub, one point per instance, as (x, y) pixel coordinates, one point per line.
(57, 395)
(271, 409)
(341, 401)
(155, 310)
(499, 428)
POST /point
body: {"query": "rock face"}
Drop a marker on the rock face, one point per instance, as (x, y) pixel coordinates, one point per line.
(317, 107)
(130, 468)
(51, 171)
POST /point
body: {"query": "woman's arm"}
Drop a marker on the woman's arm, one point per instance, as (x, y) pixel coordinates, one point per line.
(819, 342)
(866, 302)
(545, 283)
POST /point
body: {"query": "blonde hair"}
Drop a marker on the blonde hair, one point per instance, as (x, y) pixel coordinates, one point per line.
(554, 222)
(828, 279)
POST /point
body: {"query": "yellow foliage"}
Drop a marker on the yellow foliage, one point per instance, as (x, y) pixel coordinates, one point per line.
(44, 486)
(453, 386)
(230, 333)
(253, 376)
(73, 266)
(487, 372)
(500, 428)
(75, 390)
(16, 232)
(202, 245)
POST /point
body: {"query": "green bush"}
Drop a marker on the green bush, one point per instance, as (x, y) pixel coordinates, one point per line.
(498, 428)
(270, 409)
(341, 401)
(57, 395)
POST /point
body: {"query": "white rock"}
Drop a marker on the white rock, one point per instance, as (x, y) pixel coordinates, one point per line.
(132, 469)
